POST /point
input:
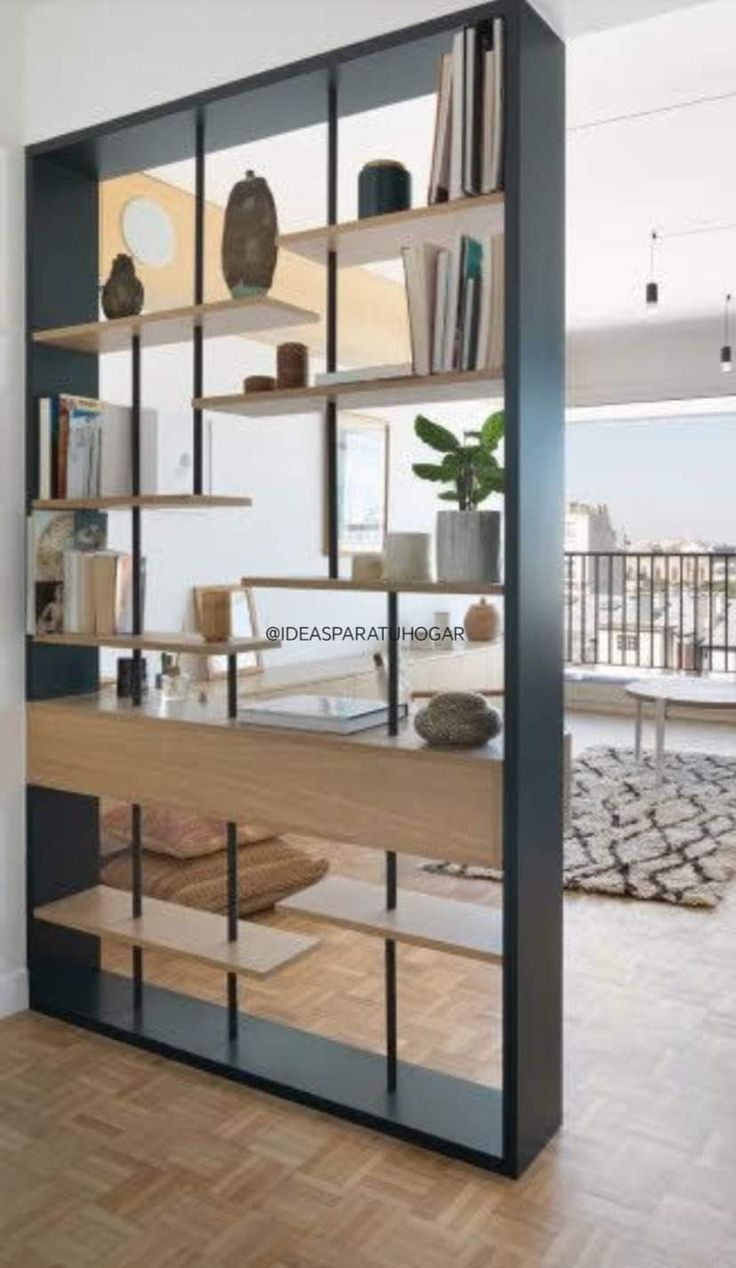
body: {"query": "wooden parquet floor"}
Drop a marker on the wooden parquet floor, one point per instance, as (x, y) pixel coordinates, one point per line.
(112, 1158)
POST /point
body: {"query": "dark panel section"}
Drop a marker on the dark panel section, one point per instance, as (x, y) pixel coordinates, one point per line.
(63, 854)
(450, 1115)
(62, 282)
(533, 608)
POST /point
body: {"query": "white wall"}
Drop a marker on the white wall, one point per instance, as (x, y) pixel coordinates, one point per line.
(12, 884)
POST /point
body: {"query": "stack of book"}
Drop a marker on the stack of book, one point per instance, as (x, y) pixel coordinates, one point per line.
(85, 448)
(467, 154)
(75, 584)
(456, 304)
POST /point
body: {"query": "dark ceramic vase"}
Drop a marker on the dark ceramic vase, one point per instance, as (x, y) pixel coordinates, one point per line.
(249, 238)
(122, 294)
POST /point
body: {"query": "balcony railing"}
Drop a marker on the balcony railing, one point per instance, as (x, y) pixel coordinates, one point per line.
(654, 611)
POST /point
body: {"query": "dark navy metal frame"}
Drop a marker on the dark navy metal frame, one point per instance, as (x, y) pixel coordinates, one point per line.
(498, 1129)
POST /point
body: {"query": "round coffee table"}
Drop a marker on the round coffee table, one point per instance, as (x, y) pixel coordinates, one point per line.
(703, 693)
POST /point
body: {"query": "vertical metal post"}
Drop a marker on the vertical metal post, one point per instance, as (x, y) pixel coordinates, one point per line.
(331, 324)
(198, 348)
(390, 945)
(137, 684)
(726, 561)
(232, 864)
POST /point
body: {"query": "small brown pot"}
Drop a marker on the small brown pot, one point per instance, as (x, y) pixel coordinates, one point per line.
(481, 622)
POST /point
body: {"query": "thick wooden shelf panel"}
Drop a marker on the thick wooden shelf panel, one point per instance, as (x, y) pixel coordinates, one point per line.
(195, 935)
(383, 792)
(175, 325)
(455, 385)
(146, 501)
(192, 644)
(441, 923)
(379, 238)
(376, 587)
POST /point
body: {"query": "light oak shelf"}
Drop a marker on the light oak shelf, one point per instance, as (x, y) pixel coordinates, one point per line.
(184, 931)
(408, 389)
(443, 924)
(175, 325)
(192, 644)
(378, 238)
(146, 501)
(381, 586)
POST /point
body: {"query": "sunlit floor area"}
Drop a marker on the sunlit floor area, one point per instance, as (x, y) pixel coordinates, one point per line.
(113, 1157)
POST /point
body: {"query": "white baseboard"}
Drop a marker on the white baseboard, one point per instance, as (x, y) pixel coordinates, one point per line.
(13, 992)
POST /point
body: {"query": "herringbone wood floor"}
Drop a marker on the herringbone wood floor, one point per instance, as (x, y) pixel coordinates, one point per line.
(110, 1158)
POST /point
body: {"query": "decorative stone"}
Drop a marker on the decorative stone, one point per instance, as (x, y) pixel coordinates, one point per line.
(249, 238)
(481, 622)
(122, 294)
(458, 718)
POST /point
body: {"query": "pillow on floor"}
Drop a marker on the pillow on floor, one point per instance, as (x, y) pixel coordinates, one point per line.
(177, 833)
(267, 873)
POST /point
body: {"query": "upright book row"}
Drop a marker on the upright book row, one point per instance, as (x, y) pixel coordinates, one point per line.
(467, 154)
(456, 304)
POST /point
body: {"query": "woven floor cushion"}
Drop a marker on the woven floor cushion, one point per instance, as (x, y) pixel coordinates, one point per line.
(267, 873)
(176, 833)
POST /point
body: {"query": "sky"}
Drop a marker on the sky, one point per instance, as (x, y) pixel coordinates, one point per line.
(660, 478)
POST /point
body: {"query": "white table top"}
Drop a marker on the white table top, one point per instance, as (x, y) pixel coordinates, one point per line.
(704, 692)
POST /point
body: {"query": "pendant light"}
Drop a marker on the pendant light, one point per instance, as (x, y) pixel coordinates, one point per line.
(726, 351)
(652, 291)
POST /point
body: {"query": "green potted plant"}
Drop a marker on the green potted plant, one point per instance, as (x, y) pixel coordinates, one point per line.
(468, 539)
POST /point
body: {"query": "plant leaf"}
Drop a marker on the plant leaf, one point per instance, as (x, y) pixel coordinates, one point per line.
(449, 496)
(493, 429)
(434, 435)
(429, 471)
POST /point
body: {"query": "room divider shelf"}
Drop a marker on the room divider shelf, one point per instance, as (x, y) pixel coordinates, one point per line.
(377, 238)
(444, 924)
(382, 586)
(191, 644)
(176, 325)
(183, 931)
(454, 385)
(145, 501)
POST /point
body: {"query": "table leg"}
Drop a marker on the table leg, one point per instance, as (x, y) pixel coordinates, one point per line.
(660, 718)
(637, 729)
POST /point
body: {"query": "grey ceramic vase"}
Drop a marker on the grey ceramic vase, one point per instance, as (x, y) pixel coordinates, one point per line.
(462, 719)
(122, 294)
(468, 545)
(249, 247)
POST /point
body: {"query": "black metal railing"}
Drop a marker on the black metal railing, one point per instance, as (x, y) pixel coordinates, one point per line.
(651, 610)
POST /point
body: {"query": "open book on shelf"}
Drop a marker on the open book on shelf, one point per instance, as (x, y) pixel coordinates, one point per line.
(467, 152)
(456, 304)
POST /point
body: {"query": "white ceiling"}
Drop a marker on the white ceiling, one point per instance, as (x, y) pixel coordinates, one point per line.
(573, 17)
(669, 165)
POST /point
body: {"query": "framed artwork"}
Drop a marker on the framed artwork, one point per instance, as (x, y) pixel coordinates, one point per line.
(362, 483)
(244, 623)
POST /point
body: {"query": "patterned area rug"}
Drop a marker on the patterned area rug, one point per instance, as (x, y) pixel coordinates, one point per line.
(674, 842)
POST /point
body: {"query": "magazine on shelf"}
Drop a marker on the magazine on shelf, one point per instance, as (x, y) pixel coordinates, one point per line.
(85, 448)
(467, 149)
(341, 715)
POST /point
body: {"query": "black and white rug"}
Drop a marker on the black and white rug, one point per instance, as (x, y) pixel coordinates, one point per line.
(673, 841)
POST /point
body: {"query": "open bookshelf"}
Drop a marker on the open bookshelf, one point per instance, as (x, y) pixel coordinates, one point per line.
(383, 790)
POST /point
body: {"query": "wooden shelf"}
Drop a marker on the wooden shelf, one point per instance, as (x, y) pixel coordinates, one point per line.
(146, 501)
(195, 935)
(192, 644)
(375, 587)
(175, 325)
(444, 924)
(408, 389)
(379, 238)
